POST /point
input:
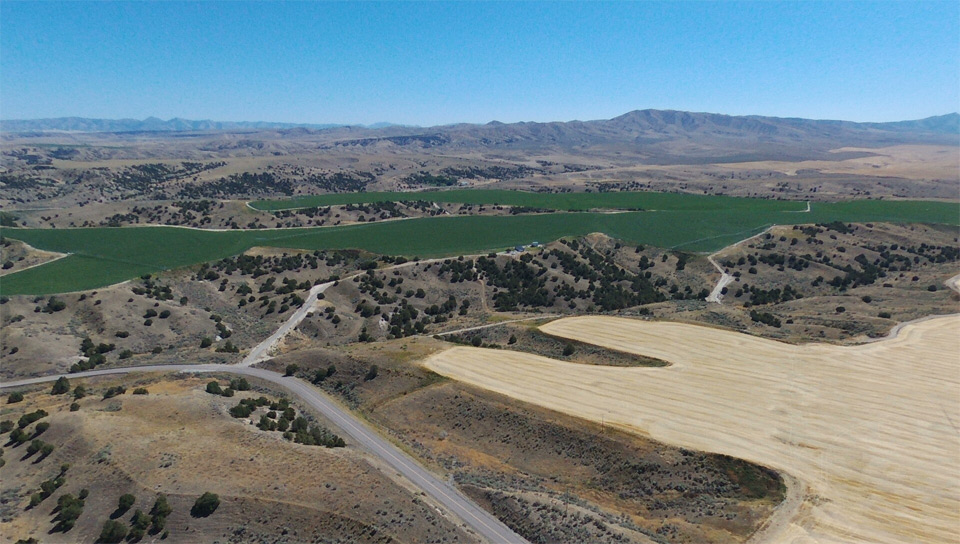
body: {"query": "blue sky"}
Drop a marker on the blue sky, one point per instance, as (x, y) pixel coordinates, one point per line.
(434, 63)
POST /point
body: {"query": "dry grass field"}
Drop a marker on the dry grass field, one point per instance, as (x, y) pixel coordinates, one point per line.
(867, 434)
(180, 441)
(920, 162)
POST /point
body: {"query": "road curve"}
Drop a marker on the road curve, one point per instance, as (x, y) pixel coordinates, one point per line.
(475, 517)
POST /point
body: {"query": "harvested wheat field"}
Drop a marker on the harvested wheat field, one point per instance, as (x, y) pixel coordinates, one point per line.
(867, 435)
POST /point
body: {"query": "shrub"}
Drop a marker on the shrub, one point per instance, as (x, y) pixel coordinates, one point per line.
(164, 314)
(27, 419)
(6, 426)
(228, 347)
(241, 411)
(291, 369)
(214, 388)
(113, 532)
(372, 373)
(140, 391)
(126, 502)
(161, 509)
(35, 446)
(55, 305)
(148, 322)
(766, 318)
(79, 392)
(140, 521)
(867, 298)
(240, 384)
(205, 505)
(156, 349)
(41, 428)
(14, 397)
(74, 406)
(18, 436)
(61, 386)
(841, 309)
(70, 510)
(122, 334)
(114, 391)
(206, 342)
(126, 354)
(932, 288)
(884, 315)
(512, 340)
(568, 350)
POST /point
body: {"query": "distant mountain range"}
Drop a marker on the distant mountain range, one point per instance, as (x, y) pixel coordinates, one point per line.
(642, 136)
(152, 124)
(638, 122)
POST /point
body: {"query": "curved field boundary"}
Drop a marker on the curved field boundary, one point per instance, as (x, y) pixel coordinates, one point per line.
(105, 256)
(868, 431)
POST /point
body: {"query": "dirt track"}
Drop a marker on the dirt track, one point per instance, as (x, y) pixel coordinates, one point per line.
(869, 431)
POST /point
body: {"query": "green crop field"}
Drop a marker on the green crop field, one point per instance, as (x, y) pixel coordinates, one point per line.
(104, 256)
(548, 201)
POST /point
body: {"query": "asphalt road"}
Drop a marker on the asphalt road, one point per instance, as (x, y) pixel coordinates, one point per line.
(475, 517)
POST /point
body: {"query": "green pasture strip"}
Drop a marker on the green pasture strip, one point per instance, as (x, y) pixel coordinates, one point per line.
(104, 256)
(633, 200)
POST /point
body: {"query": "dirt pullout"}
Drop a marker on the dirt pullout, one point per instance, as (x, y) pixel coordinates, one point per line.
(868, 429)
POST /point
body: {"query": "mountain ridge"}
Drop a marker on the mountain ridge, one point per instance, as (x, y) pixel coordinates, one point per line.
(646, 119)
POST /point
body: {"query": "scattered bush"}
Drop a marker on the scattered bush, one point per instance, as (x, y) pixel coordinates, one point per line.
(126, 502)
(228, 347)
(27, 419)
(140, 391)
(70, 510)
(205, 505)
(14, 397)
(114, 391)
(291, 369)
(113, 532)
(61, 386)
(206, 342)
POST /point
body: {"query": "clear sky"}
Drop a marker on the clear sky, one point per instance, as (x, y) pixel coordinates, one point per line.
(436, 63)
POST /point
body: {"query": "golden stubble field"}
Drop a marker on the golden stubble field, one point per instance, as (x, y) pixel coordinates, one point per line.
(867, 435)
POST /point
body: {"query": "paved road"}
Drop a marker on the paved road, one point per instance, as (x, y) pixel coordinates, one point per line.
(475, 517)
